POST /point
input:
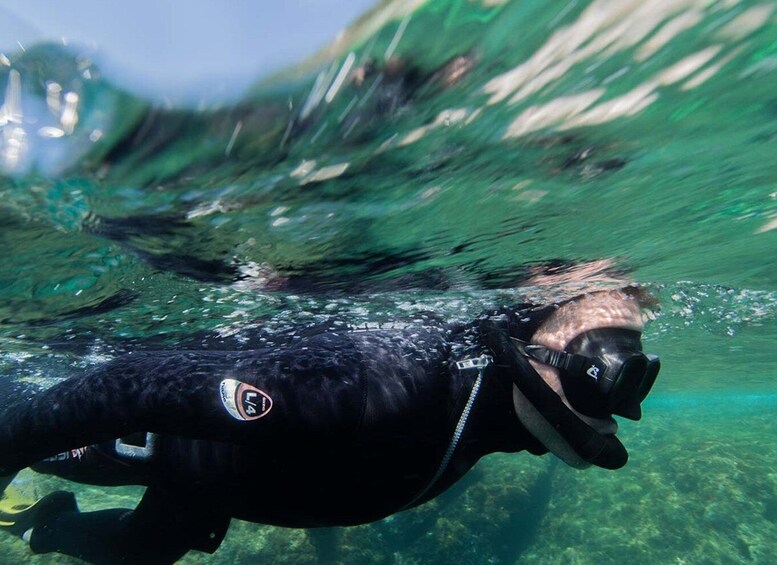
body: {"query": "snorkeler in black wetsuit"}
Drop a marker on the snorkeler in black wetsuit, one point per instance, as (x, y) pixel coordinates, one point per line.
(340, 428)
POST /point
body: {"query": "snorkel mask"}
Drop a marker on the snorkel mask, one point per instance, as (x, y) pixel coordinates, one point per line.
(602, 371)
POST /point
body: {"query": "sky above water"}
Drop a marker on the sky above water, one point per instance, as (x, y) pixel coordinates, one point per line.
(192, 51)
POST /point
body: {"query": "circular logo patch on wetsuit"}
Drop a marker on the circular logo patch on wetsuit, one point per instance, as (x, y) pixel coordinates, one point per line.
(244, 402)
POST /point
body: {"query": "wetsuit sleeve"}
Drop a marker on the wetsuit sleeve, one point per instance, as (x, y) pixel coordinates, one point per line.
(312, 391)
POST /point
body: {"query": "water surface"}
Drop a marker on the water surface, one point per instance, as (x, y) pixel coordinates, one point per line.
(447, 156)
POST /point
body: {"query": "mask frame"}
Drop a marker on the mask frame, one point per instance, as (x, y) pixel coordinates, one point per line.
(602, 371)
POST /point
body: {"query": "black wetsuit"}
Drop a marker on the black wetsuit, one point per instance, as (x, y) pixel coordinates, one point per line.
(357, 429)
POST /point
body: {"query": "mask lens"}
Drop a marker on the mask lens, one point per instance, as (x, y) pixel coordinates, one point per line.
(651, 372)
(629, 381)
(636, 378)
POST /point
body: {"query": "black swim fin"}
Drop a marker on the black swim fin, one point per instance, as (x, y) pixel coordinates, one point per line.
(18, 515)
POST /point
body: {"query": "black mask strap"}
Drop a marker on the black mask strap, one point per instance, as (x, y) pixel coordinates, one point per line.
(572, 363)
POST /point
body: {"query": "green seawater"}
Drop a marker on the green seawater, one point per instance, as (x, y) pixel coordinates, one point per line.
(447, 156)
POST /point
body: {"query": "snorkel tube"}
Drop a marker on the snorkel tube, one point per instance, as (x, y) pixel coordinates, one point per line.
(544, 414)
